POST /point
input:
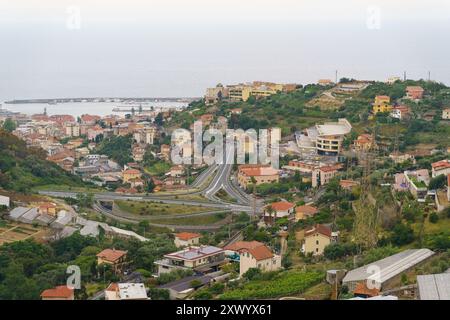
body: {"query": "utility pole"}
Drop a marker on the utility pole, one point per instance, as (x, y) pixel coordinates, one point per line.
(429, 76)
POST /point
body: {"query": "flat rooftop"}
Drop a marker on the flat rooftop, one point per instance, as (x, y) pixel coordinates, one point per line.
(194, 253)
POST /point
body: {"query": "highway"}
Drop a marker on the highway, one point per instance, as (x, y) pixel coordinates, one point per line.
(222, 179)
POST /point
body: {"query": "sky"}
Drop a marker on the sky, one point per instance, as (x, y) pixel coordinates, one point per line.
(165, 48)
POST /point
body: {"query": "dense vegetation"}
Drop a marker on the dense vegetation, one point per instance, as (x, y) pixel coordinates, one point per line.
(270, 285)
(27, 268)
(117, 148)
(22, 168)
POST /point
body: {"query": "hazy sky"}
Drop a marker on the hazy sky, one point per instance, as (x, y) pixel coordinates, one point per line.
(59, 48)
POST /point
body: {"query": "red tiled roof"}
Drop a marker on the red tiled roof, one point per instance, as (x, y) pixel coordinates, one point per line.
(361, 289)
(441, 164)
(260, 252)
(281, 205)
(47, 205)
(330, 168)
(111, 255)
(131, 171)
(187, 235)
(241, 245)
(306, 209)
(257, 170)
(414, 88)
(113, 287)
(320, 228)
(57, 292)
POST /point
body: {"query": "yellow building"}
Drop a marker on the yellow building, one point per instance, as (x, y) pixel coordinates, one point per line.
(382, 104)
(239, 93)
(261, 174)
(130, 174)
(316, 239)
(115, 258)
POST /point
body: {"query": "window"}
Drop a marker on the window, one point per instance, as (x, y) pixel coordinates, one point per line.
(317, 242)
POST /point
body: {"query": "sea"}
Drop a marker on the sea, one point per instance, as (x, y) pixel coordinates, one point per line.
(95, 108)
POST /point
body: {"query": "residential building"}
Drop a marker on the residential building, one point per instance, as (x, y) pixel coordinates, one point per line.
(398, 157)
(88, 119)
(348, 184)
(325, 82)
(165, 152)
(260, 257)
(176, 171)
(216, 94)
(115, 258)
(4, 201)
(440, 167)
(446, 114)
(417, 183)
(364, 142)
(325, 139)
(47, 208)
(321, 176)
(239, 93)
(260, 173)
(185, 239)
(305, 212)
(58, 293)
(392, 80)
(276, 210)
(72, 129)
(138, 152)
(236, 111)
(414, 92)
(200, 259)
(400, 112)
(433, 286)
(385, 273)
(94, 132)
(126, 291)
(382, 104)
(130, 174)
(316, 239)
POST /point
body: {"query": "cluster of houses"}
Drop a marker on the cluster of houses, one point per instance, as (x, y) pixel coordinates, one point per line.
(417, 183)
(65, 223)
(243, 91)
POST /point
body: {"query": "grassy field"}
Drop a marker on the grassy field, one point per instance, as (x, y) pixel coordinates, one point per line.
(157, 209)
(158, 168)
(57, 187)
(192, 221)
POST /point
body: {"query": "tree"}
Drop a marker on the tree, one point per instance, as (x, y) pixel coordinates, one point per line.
(159, 119)
(252, 274)
(438, 182)
(159, 294)
(402, 234)
(195, 283)
(9, 125)
(433, 218)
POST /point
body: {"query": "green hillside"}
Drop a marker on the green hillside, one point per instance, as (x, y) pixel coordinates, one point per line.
(22, 168)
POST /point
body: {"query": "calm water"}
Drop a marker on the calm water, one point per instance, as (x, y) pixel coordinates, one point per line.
(78, 108)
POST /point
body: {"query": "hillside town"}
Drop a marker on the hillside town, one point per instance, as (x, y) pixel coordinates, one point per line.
(363, 183)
